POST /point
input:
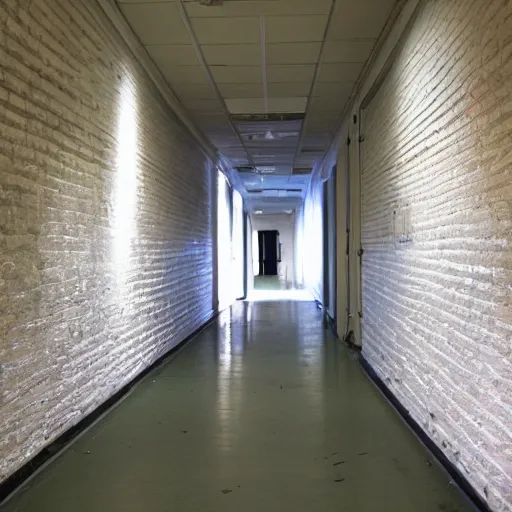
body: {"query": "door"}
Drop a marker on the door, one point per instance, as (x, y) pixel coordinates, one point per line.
(268, 252)
(329, 220)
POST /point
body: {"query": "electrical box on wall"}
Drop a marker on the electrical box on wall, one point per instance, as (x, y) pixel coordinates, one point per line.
(401, 223)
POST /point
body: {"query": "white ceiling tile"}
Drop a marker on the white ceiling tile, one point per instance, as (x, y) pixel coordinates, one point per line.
(156, 23)
(211, 122)
(185, 74)
(166, 56)
(347, 51)
(293, 73)
(257, 105)
(289, 89)
(316, 139)
(260, 8)
(333, 89)
(234, 151)
(241, 90)
(293, 53)
(342, 72)
(236, 74)
(202, 105)
(204, 90)
(224, 130)
(232, 54)
(305, 162)
(322, 121)
(227, 30)
(337, 102)
(224, 141)
(291, 29)
(361, 19)
(245, 105)
(299, 179)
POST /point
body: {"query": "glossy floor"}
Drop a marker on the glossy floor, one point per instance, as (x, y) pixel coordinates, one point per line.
(263, 411)
(269, 283)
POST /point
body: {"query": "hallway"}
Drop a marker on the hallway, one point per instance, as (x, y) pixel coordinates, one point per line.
(264, 410)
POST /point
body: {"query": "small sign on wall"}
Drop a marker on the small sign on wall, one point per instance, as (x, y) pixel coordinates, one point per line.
(401, 222)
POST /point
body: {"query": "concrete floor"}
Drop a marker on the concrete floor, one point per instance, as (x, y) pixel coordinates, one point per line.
(263, 411)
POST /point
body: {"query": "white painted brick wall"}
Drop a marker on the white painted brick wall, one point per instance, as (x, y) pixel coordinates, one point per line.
(105, 222)
(437, 235)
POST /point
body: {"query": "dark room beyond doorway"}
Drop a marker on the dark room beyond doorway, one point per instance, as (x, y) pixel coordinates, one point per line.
(269, 252)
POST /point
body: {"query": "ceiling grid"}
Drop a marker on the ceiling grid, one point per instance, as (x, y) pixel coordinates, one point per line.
(265, 80)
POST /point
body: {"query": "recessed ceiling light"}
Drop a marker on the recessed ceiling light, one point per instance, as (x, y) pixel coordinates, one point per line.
(265, 168)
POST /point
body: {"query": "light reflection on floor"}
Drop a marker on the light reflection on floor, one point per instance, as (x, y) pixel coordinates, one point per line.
(271, 288)
(276, 295)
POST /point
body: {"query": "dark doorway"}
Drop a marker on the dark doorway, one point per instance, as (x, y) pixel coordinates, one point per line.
(269, 249)
(329, 209)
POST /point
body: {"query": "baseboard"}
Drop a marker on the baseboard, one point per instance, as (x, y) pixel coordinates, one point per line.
(19, 477)
(332, 324)
(456, 476)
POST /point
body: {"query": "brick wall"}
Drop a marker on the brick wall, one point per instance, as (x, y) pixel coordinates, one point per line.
(105, 222)
(437, 235)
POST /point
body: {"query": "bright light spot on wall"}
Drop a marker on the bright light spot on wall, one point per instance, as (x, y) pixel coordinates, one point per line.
(238, 245)
(125, 186)
(224, 255)
(310, 241)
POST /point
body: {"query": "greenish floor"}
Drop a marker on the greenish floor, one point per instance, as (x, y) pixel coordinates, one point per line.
(269, 283)
(263, 411)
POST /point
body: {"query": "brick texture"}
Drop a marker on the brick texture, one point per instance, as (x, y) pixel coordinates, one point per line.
(437, 235)
(105, 222)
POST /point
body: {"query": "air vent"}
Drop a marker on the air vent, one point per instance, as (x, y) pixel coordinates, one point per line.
(269, 135)
(259, 169)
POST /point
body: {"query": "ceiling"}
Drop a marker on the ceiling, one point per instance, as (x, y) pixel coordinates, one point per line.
(265, 80)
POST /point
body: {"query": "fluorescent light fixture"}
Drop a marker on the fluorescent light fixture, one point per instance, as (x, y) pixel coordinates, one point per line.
(265, 168)
(258, 212)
